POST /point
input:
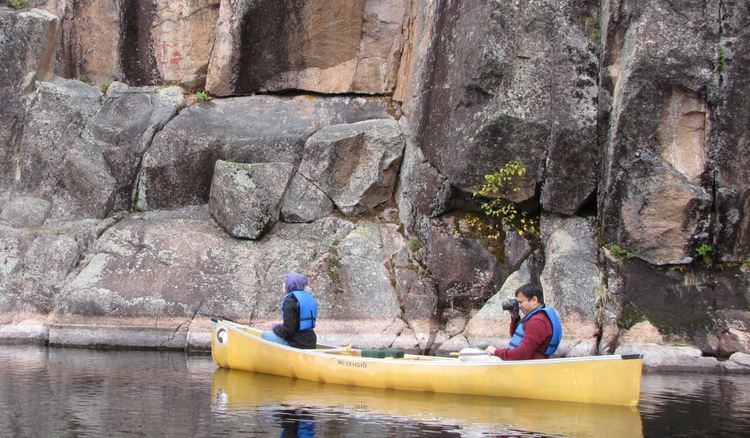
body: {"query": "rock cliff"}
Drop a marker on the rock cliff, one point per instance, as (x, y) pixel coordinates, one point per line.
(165, 162)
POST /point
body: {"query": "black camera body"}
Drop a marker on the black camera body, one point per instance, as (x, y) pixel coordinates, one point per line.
(511, 305)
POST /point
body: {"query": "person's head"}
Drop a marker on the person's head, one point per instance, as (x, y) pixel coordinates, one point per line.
(294, 281)
(530, 298)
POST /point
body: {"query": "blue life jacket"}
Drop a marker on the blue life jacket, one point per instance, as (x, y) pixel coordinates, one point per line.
(308, 309)
(554, 341)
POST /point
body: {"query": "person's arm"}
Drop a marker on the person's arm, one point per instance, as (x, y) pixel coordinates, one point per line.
(536, 333)
(515, 318)
(291, 318)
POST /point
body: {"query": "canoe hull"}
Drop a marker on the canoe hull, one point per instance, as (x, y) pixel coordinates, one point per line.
(603, 379)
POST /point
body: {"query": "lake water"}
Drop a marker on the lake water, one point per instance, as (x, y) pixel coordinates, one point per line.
(76, 392)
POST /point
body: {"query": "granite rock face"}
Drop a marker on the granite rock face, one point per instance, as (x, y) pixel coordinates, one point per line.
(82, 151)
(119, 134)
(702, 307)
(466, 273)
(246, 199)
(175, 265)
(24, 211)
(56, 115)
(571, 279)
(257, 129)
(509, 91)
(354, 164)
(312, 45)
(182, 36)
(32, 266)
(422, 191)
(370, 123)
(144, 42)
(27, 47)
(304, 201)
(730, 135)
(655, 191)
(91, 35)
(490, 325)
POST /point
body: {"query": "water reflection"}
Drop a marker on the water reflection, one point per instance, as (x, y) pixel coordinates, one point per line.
(238, 391)
(89, 393)
(688, 405)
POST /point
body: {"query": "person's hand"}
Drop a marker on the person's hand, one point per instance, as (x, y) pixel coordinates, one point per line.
(490, 350)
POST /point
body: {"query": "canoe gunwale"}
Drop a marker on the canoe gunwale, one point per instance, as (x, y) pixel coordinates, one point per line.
(416, 359)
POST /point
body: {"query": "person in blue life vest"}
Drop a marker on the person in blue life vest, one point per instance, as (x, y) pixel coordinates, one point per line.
(299, 311)
(538, 334)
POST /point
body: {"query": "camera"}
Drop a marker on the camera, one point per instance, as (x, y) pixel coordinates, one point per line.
(511, 304)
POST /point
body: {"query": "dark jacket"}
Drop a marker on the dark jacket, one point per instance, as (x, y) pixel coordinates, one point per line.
(289, 329)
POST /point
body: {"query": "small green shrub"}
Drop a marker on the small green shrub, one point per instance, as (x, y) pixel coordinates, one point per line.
(203, 96)
(104, 86)
(620, 252)
(332, 262)
(17, 4)
(501, 183)
(593, 29)
(721, 60)
(416, 245)
(706, 252)
(84, 78)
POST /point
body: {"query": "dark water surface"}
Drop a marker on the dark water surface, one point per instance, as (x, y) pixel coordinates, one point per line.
(81, 393)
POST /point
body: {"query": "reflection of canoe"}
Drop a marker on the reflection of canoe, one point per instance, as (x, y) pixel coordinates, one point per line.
(239, 390)
(614, 380)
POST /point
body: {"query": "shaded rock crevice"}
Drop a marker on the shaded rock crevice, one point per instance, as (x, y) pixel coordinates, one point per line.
(136, 44)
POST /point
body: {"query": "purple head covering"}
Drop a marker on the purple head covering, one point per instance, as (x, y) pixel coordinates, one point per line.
(294, 281)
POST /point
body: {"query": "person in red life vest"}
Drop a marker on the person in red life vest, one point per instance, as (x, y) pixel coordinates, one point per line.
(538, 334)
(299, 310)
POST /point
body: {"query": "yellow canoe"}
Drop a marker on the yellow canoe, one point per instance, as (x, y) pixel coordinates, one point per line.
(235, 391)
(612, 380)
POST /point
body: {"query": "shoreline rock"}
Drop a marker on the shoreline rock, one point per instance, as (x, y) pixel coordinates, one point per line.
(194, 336)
